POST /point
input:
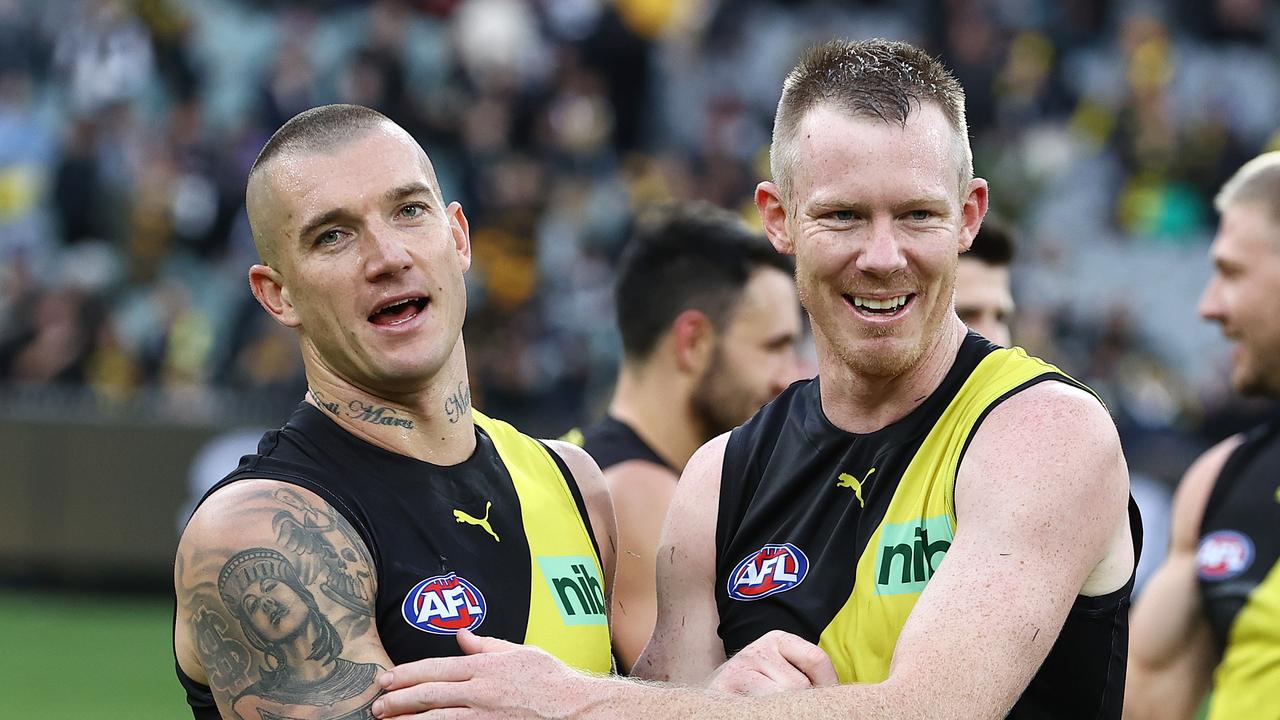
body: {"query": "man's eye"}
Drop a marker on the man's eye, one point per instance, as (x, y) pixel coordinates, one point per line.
(412, 211)
(920, 214)
(842, 215)
(329, 238)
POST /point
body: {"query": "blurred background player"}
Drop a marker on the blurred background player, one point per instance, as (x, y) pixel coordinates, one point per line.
(984, 291)
(1211, 614)
(709, 320)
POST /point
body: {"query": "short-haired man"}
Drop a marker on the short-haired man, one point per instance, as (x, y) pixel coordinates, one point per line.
(385, 516)
(984, 293)
(709, 321)
(948, 520)
(1210, 616)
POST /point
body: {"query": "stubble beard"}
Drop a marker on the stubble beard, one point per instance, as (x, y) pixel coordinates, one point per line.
(717, 400)
(885, 363)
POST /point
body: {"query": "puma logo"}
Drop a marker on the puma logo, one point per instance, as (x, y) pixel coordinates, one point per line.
(849, 481)
(483, 522)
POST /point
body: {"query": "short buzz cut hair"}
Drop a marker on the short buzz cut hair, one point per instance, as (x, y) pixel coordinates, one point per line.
(877, 78)
(685, 256)
(993, 245)
(1256, 181)
(319, 129)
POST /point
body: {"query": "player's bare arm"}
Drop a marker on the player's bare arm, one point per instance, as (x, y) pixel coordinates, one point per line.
(685, 647)
(1042, 501)
(1171, 649)
(642, 493)
(595, 495)
(275, 594)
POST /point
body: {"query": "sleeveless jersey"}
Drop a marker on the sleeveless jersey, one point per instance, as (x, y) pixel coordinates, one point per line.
(1238, 564)
(832, 535)
(534, 579)
(612, 441)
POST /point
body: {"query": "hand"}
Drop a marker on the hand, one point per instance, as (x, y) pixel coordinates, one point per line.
(775, 662)
(494, 679)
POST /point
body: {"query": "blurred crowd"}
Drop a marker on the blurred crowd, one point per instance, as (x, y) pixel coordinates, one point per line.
(127, 129)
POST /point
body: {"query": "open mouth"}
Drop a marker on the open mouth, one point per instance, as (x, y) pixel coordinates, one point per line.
(398, 312)
(880, 307)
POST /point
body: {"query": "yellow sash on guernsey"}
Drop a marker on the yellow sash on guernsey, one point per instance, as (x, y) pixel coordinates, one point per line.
(566, 582)
(918, 526)
(1246, 683)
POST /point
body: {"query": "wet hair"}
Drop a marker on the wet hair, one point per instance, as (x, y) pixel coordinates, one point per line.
(1256, 181)
(878, 79)
(993, 245)
(683, 256)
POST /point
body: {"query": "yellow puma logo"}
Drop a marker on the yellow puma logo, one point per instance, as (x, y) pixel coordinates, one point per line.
(849, 481)
(483, 522)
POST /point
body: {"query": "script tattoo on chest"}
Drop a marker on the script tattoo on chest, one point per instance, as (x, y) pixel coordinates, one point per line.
(364, 412)
(458, 404)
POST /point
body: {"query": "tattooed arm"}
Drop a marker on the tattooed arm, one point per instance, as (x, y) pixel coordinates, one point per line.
(275, 609)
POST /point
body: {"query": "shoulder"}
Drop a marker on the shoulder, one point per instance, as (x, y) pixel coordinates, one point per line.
(637, 477)
(1053, 441)
(1192, 495)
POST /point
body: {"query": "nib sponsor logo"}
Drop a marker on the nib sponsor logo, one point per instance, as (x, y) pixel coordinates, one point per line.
(768, 571)
(910, 554)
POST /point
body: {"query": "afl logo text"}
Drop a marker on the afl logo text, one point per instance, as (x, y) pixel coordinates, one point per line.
(1223, 554)
(443, 605)
(768, 571)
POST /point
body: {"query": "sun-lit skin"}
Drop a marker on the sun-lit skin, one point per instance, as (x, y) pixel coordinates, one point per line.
(1240, 296)
(351, 231)
(984, 301)
(875, 215)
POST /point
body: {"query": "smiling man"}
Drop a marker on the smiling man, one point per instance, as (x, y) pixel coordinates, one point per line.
(948, 520)
(385, 516)
(1210, 616)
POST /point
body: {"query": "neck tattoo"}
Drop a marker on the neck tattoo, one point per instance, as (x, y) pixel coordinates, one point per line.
(363, 412)
(458, 404)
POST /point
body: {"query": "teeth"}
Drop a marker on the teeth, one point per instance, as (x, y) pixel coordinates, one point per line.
(873, 304)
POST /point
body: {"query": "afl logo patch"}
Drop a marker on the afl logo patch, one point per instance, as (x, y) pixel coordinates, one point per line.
(1223, 555)
(768, 571)
(443, 605)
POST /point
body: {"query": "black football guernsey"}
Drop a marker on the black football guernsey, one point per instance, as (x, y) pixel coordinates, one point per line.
(531, 575)
(832, 535)
(1237, 562)
(612, 441)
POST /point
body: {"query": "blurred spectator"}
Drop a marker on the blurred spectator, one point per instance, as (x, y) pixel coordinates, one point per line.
(127, 127)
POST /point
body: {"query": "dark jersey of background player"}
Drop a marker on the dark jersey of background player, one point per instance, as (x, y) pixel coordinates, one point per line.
(709, 320)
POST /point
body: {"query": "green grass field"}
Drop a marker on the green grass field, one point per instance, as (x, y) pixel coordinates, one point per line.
(89, 656)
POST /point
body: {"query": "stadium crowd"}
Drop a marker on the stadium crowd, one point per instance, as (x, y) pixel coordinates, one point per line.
(127, 129)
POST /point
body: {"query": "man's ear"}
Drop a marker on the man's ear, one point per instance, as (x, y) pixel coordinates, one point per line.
(773, 215)
(694, 338)
(268, 287)
(461, 229)
(972, 212)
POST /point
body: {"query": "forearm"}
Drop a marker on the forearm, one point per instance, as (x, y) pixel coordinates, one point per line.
(636, 700)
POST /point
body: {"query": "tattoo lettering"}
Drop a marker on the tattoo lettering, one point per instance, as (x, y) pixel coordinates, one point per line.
(377, 415)
(459, 403)
(226, 661)
(325, 403)
(364, 412)
(328, 550)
